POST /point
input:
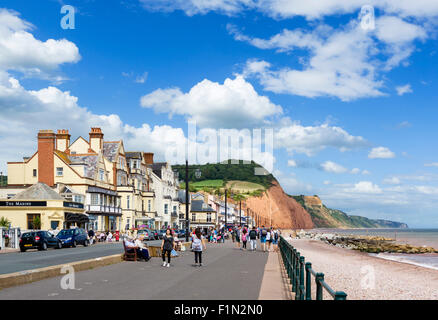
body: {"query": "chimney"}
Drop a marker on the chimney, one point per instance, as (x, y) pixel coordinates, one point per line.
(96, 140)
(46, 148)
(149, 157)
(62, 140)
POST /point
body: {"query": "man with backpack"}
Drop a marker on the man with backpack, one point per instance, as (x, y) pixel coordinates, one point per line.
(253, 238)
(263, 234)
(275, 239)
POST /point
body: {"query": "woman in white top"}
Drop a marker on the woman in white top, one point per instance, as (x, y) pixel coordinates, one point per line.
(198, 245)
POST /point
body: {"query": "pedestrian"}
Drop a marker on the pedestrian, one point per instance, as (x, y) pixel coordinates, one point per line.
(244, 238)
(269, 237)
(166, 247)
(253, 238)
(263, 234)
(275, 240)
(198, 245)
(238, 234)
(91, 235)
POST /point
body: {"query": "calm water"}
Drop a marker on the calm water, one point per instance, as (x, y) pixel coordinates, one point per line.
(415, 237)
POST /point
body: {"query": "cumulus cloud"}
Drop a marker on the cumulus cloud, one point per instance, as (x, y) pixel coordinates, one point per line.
(312, 139)
(233, 104)
(332, 167)
(381, 153)
(20, 51)
(433, 164)
(364, 187)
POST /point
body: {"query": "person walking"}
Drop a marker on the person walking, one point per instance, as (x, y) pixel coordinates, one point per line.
(244, 238)
(269, 237)
(166, 247)
(253, 238)
(198, 245)
(238, 233)
(275, 240)
(91, 235)
(263, 234)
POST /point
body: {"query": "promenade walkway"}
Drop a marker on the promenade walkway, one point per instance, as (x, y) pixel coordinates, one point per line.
(228, 273)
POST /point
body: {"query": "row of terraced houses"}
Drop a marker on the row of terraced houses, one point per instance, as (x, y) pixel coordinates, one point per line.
(90, 183)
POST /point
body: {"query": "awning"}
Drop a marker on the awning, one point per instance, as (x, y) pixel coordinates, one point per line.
(76, 217)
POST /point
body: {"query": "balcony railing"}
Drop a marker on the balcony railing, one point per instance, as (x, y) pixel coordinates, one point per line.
(202, 221)
(104, 209)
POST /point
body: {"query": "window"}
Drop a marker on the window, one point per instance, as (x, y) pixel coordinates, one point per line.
(54, 225)
(193, 216)
(94, 199)
(101, 175)
(209, 217)
(174, 208)
(119, 180)
(59, 172)
(78, 198)
(34, 172)
(166, 208)
(30, 221)
(128, 200)
(149, 205)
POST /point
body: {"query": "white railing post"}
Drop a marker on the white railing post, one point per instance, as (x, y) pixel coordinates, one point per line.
(2, 245)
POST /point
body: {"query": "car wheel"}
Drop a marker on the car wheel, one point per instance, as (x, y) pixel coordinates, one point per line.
(86, 243)
(43, 247)
(22, 250)
(59, 245)
(74, 244)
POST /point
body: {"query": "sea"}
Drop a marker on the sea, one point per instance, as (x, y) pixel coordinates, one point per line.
(415, 237)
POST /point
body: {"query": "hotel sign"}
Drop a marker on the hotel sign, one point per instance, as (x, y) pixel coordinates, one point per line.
(74, 205)
(23, 203)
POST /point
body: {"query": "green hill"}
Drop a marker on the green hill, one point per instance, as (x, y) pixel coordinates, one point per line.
(225, 172)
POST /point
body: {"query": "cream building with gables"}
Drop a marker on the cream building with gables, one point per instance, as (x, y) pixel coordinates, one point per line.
(117, 188)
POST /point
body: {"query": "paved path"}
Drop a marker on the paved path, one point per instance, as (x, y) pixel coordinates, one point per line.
(32, 259)
(228, 273)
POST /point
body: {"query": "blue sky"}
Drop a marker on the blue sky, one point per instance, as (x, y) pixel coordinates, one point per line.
(353, 110)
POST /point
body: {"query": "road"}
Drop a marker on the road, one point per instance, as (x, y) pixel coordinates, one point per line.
(33, 259)
(228, 273)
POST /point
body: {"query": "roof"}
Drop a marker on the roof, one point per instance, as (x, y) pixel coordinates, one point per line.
(182, 196)
(133, 155)
(39, 191)
(89, 161)
(110, 150)
(200, 206)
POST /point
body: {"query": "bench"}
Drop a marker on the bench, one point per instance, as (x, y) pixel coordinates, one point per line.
(129, 256)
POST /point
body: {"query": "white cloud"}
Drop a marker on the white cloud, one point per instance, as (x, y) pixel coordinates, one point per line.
(355, 171)
(291, 163)
(365, 187)
(282, 9)
(20, 51)
(433, 164)
(392, 180)
(401, 90)
(333, 167)
(312, 139)
(142, 78)
(381, 153)
(366, 172)
(233, 104)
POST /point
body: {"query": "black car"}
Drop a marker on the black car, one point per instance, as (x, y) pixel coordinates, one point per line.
(40, 240)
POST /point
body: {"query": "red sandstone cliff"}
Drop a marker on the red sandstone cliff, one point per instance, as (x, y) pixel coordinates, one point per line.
(286, 212)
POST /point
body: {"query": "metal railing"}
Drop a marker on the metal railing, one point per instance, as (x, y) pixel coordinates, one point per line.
(295, 266)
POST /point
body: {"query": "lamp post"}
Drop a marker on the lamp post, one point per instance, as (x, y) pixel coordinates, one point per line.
(240, 212)
(198, 174)
(226, 213)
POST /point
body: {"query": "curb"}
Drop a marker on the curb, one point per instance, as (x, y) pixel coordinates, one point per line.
(28, 276)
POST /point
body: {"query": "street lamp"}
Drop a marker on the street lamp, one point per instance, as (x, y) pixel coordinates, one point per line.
(198, 174)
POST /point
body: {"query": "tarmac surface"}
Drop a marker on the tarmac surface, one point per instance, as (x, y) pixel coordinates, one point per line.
(33, 259)
(228, 273)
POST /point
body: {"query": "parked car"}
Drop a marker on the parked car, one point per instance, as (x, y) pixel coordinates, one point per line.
(148, 234)
(40, 240)
(181, 233)
(161, 233)
(155, 232)
(73, 237)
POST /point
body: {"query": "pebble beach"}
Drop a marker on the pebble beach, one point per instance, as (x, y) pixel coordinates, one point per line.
(365, 277)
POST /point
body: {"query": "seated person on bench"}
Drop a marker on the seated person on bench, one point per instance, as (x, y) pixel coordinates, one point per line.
(131, 246)
(142, 249)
